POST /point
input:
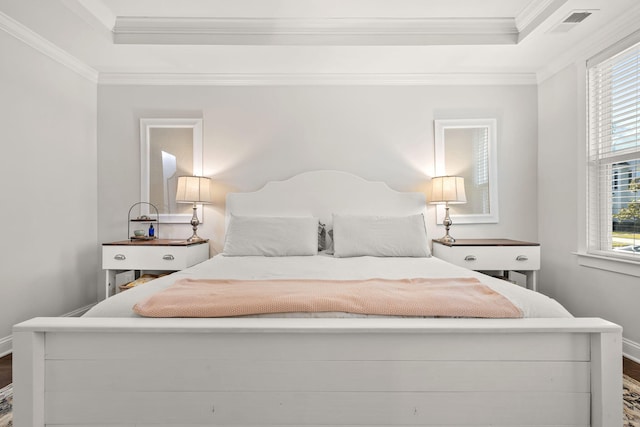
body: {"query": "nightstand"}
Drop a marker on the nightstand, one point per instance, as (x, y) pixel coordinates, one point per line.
(493, 254)
(149, 255)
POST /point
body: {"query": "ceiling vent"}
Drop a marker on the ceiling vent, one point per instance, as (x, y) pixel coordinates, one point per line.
(576, 17)
(570, 21)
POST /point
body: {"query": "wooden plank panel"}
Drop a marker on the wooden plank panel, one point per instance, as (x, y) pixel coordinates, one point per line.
(29, 379)
(320, 346)
(304, 408)
(606, 373)
(310, 326)
(206, 375)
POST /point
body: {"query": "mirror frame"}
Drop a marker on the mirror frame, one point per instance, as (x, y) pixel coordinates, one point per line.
(145, 146)
(440, 148)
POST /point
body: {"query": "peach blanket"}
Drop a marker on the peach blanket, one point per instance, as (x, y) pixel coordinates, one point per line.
(459, 297)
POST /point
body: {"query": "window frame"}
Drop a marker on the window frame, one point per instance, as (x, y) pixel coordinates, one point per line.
(602, 157)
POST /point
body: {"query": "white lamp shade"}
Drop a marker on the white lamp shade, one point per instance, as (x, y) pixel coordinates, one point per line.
(447, 189)
(194, 189)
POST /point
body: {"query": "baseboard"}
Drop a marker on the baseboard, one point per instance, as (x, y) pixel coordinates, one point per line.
(6, 346)
(631, 350)
(79, 312)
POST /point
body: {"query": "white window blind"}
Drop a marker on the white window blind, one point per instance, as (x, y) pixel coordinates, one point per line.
(614, 155)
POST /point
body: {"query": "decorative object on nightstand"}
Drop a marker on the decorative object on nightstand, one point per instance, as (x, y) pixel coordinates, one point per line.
(194, 189)
(144, 222)
(446, 190)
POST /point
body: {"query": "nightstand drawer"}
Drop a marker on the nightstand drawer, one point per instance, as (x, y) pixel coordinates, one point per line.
(158, 254)
(491, 257)
(152, 257)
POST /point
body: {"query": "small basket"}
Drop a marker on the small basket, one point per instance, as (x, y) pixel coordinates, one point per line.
(139, 281)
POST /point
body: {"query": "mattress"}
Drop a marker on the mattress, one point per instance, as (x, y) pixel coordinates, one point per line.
(326, 267)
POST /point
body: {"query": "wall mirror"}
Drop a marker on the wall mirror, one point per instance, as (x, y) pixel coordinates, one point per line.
(467, 148)
(169, 148)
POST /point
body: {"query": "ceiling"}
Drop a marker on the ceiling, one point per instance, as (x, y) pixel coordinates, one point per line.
(515, 39)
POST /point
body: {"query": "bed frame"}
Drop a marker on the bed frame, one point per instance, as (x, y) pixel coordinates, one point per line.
(318, 372)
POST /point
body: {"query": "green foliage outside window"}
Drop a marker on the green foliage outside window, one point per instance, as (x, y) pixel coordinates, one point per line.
(632, 211)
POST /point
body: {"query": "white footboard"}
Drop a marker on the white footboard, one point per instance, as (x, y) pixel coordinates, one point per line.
(317, 372)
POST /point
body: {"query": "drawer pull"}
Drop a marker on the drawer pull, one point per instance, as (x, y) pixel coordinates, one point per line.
(168, 257)
(470, 258)
(120, 257)
(522, 258)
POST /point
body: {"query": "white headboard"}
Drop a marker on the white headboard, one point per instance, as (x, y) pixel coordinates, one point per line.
(323, 193)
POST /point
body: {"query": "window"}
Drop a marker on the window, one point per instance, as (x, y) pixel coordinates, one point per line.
(614, 154)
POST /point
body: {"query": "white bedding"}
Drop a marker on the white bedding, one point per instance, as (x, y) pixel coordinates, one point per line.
(322, 266)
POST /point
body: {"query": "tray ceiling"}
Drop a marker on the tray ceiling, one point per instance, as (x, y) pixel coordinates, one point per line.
(413, 40)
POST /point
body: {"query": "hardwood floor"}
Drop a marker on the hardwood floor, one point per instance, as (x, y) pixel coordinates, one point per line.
(629, 367)
(5, 370)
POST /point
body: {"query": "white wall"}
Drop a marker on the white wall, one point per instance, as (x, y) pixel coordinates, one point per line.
(586, 292)
(49, 256)
(256, 134)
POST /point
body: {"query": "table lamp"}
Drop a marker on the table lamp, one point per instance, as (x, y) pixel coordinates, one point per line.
(446, 190)
(194, 189)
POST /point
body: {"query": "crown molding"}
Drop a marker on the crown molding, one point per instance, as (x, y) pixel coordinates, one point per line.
(42, 45)
(534, 14)
(95, 13)
(530, 12)
(317, 79)
(315, 31)
(597, 42)
(95, 9)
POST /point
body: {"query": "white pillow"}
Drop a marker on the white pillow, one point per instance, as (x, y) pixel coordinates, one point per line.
(271, 236)
(381, 236)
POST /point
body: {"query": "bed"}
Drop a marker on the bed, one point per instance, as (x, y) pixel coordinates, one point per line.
(112, 367)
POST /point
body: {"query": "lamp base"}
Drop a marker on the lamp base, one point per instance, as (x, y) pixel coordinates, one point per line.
(447, 224)
(447, 239)
(194, 225)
